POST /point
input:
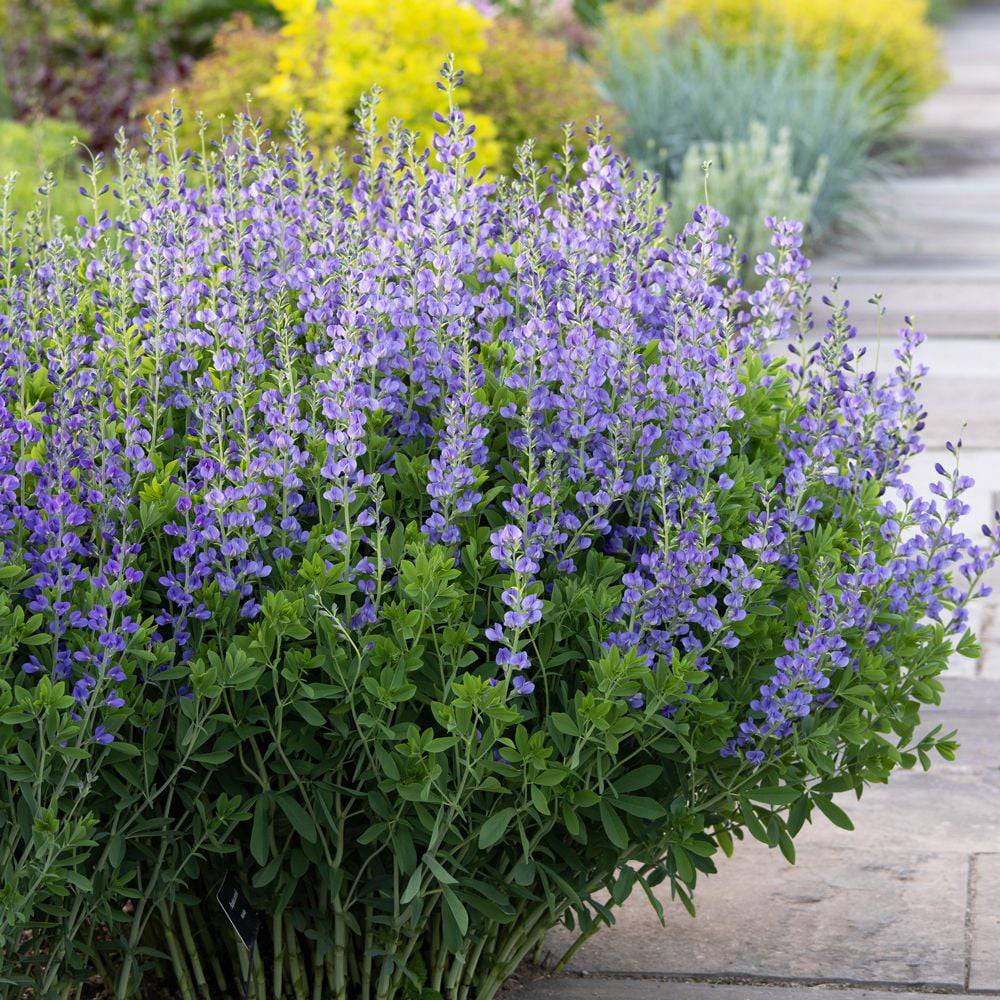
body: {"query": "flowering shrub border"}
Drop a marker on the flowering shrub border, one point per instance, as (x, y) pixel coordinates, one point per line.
(450, 558)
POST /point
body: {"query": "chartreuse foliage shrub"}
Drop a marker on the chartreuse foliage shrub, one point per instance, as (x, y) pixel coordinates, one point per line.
(891, 39)
(446, 560)
(330, 55)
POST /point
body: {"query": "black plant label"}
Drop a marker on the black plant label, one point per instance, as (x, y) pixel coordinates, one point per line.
(238, 910)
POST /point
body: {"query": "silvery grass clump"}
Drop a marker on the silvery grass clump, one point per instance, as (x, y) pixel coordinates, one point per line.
(679, 90)
(447, 559)
(749, 181)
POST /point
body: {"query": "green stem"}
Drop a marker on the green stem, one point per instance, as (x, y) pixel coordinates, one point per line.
(436, 966)
(259, 976)
(454, 976)
(300, 984)
(581, 939)
(339, 949)
(366, 966)
(202, 933)
(192, 950)
(278, 943)
(471, 967)
(138, 923)
(176, 957)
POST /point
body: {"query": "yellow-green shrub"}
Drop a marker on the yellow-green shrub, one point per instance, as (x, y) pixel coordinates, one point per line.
(893, 35)
(530, 85)
(327, 58)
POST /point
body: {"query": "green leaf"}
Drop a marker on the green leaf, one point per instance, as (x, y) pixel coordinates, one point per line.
(267, 874)
(456, 910)
(495, 827)
(833, 812)
(641, 806)
(258, 834)
(213, 759)
(682, 860)
(613, 826)
(725, 841)
(764, 611)
(570, 819)
(641, 777)
(685, 899)
(540, 801)
(774, 796)
(753, 824)
(301, 821)
(412, 888)
(438, 872)
(968, 646)
(565, 724)
(787, 847)
(310, 713)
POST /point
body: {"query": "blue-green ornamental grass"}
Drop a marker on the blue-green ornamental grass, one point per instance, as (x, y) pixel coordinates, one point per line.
(680, 90)
(447, 559)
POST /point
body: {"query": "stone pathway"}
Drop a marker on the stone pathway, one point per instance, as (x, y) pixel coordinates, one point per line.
(909, 903)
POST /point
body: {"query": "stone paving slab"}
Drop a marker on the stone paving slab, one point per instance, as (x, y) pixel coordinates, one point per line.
(919, 263)
(911, 247)
(913, 252)
(948, 357)
(905, 812)
(970, 198)
(984, 959)
(940, 197)
(988, 632)
(938, 307)
(973, 709)
(916, 195)
(844, 914)
(962, 407)
(988, 666)
(889, 903)
(941, 114)
(593, 988)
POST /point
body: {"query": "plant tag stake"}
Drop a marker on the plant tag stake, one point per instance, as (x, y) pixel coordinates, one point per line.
(238, 910)
(243, 917)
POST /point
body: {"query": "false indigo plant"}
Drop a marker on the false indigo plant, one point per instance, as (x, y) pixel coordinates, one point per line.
(446, 558)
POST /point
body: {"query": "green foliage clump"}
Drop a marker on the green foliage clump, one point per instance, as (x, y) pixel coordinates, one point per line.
(226, 82)
(42, 154)
(889, 43)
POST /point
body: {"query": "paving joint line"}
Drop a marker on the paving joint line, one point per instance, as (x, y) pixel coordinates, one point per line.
(970, 900)
(784, 982)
